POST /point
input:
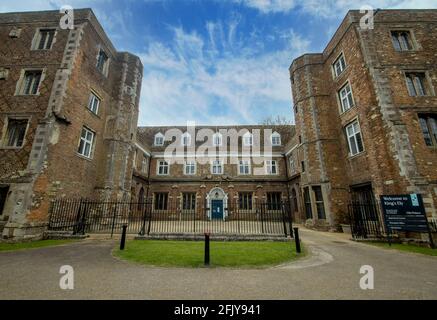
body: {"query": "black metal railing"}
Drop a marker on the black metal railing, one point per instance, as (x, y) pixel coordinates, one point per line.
(81, 216)
(366, 221)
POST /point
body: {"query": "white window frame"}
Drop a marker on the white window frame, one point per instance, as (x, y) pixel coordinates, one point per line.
(4, 141)
(342, 98)
(219, 164)
(269, 165)
(86, 142)
(38, 37)
(342, 66)
(354, 136)
(190, 164)
(248, 139)
(187, 136)
(159, 136)
(91, 103)
(105, 67)
(276, 135)
(292, 165)
(219, 136)
(243, 164)
(165, 166)
(21, 84)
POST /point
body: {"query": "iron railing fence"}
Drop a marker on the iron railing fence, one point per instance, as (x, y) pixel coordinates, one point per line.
(366, 221)
(81, 216)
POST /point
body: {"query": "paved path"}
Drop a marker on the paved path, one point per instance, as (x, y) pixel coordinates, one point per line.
(332, 272)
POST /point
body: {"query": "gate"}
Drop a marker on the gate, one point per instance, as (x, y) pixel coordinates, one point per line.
(365, 220)
(146, 218)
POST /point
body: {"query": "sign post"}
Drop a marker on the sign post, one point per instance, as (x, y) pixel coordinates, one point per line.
(405, 213)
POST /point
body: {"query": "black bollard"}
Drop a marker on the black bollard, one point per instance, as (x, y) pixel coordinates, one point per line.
(207, 257)
(297, 240)
(123, 238)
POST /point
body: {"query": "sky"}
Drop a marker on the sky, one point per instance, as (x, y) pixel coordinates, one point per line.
(216, 62)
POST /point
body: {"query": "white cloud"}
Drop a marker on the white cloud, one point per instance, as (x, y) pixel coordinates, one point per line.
(267, 6)
(190, 79)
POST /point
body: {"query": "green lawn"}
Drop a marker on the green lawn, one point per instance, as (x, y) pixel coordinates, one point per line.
(223, 254)
(406, 247)
(31, 245)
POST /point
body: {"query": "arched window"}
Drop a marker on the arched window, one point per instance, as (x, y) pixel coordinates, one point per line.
(159, 139)
(276, 139)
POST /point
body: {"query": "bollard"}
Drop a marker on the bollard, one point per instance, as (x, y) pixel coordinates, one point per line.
(297, 240)
(123, 238)
(207, 257)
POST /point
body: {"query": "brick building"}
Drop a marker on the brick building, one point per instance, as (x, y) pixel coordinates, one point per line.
(234, 164)
(68, 116)
(366, 115)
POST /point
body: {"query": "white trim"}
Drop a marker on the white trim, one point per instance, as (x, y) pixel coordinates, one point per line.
(142, 149)
(221, 165)
(245, 136)
(159, 135)
(186, 135)
(276, 135)
(186, 165)
(158, 166)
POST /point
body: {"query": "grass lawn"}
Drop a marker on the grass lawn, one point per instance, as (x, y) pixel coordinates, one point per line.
(406, 247)
(31, 245)
(223, 254)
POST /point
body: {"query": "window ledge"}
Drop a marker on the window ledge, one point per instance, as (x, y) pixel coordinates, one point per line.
(11, 148)
(92, 113)
(83, 157)
(350, 157)
(347, 111)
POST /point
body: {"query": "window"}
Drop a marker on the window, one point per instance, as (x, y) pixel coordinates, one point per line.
(271, 167)
(159, 140)
(186, 139)
(416, 83)
(274, 200)
(248, 139)
(428, 123)
(217, 167)
(188, 202)
(44, 39)
(402, 40)
(244, 167)
(217, 140)
(276, 139)
(102, 62)
(190, 168)
(354, 138)
(163, 168)
(144, 164)
(339, 65)
(307, 201)
(94, 103)
(161, 201)
(15, 133)
(302, 164)
(30, 83)
(346, 98)
(86, 142)
(245, 201)
(319, 202)
(292, 165)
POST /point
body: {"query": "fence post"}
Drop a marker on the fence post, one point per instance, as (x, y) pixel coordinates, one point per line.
(297, 240)
(113, 219)
(123, 237)
(207, 252)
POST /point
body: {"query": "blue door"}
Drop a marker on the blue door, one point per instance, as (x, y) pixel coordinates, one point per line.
(217, 209)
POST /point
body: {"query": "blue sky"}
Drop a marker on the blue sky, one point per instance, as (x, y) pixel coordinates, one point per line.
(216, 61)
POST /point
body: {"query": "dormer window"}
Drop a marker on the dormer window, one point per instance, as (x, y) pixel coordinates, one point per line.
(248, 139)
(159, 140)
(217, 140)
(186, 139)
(276, 139)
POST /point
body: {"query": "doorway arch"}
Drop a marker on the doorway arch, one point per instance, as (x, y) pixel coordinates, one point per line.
(217, 204)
